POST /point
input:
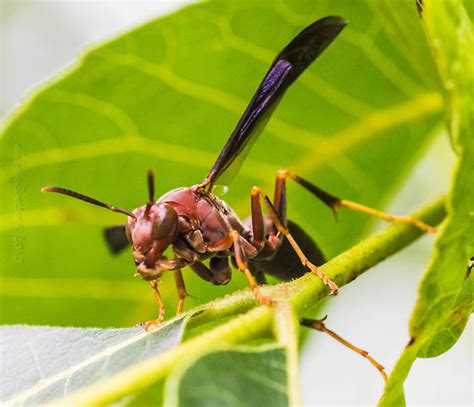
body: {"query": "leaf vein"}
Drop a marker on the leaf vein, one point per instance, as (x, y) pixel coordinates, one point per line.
(315, 83)
(362, 131)
(290, 133)
(39, 386)
(394, 74)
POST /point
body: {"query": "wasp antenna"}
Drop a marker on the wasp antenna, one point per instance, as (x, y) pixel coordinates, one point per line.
(77, 195)
(151, 192)
(151, 186)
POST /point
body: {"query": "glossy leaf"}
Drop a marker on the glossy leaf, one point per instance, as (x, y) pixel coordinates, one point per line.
(445, 294)
(238, 376)
(40, 364)
(167, 96)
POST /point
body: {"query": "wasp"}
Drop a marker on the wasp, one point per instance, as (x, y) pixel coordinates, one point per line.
(199, 226)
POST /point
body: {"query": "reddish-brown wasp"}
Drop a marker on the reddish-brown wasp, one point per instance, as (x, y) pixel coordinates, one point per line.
(200, 226)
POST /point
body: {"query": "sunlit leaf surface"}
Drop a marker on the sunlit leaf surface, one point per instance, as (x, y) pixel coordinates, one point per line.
(166, 96)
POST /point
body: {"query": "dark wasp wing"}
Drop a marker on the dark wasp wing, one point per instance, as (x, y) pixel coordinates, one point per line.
(286, 68)
(116, 238)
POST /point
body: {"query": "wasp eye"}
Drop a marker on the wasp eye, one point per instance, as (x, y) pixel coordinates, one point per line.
(165, 222)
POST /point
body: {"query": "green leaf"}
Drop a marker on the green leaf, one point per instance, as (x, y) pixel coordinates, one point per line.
(445, 294)
(250, 376)
(255, 324)
(166, 96)
(40, 364)
(453, 324)
(235, 376)
(286, 327)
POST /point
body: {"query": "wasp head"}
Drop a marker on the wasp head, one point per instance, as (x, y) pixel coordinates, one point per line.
(151, 231)
(150, 228)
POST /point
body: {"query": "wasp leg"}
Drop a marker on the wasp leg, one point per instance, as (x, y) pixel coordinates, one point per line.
(182, 294)
(258, 228)
(279, 197)
(221, 244)
(161, 305)
(318, 324)
(259, 240)
(242, 265)
(220, 270)
(256, 191)
(334, 203)
(210, 275)
(279, 203)
(161, 266)
(260, 278)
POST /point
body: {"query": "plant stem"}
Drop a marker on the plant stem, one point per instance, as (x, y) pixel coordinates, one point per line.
(301, 294)
(286, 327)
(308, 290)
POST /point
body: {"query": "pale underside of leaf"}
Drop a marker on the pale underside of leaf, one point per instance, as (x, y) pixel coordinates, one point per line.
(40, 364)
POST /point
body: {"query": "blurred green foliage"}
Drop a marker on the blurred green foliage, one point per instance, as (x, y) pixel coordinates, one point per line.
(445, 298)
(166, 96)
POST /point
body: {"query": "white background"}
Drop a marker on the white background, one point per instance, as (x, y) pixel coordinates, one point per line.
(40, 38)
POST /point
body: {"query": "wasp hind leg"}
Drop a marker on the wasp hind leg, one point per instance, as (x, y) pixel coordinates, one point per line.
(280, 225)
(318, 324)
(243, 266)
(334, 203)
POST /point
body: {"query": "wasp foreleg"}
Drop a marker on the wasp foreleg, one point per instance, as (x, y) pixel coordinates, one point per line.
(182, 294)
(161, 305)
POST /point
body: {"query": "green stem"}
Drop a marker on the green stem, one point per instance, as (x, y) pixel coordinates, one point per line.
(301, 294)
(308, 290)
(286, 327)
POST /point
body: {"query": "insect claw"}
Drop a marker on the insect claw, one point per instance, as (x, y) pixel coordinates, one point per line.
(325, 279)
(155, 323)
(334, 288)
(263, 299)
